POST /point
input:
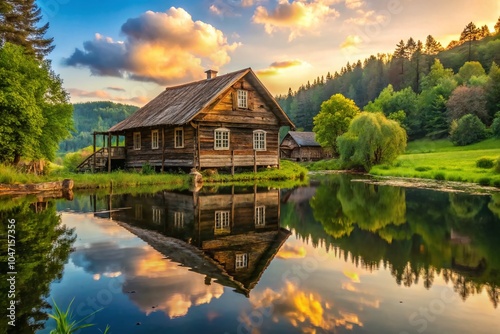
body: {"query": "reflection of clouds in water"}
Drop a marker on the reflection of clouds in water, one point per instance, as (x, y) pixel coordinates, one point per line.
(306, 310)
(94, 229)
(166, 286)
(160, 284)
(291, 252)
(352, 276)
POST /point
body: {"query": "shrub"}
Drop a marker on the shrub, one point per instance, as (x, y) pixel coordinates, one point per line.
(496, 183)
(497, 166)
(484, 163)
(468, 130)
(439, 176)
(422, 168)
(495, 126)
(484, 181)
(147, 169)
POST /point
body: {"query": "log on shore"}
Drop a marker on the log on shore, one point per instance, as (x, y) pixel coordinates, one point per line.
(36, 188)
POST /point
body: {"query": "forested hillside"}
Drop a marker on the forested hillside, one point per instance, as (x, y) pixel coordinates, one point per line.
(402, 75)
(94, 116)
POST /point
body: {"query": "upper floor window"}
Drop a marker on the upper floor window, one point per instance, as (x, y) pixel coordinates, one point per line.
(178, 219)
(155, 141)
(156, 214)
(179, 138)
(242, 98)
(137, 140)
(260, 216)
(259, 140)
(221, 139)
(241, 261)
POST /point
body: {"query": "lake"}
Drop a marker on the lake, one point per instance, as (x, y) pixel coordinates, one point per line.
(335, 256)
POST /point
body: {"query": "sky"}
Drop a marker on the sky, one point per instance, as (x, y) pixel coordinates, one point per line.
(128, 51)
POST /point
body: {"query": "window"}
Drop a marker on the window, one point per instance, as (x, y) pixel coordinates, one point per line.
(260, 216)
(241, 261)
(221, 139)
(179, 138)
(178, 219)
(138, 211)
(259, 140)
(155, 142)
(242, 98)
(222, 222)
(137, 140)
(156, 215)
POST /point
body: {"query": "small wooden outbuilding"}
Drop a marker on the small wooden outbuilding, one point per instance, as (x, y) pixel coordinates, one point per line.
(302, 146)
(229, 120)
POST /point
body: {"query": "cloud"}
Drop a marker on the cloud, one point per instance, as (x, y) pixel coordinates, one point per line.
(162, 47)
(351, 41)
(278, 67)
(291, 252)
(230, 8)
(103, 95)
(354, 4)
(366, 18)
(296, 17)
(116, 89)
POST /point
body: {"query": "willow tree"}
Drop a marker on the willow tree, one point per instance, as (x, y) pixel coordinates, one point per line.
(371, 139)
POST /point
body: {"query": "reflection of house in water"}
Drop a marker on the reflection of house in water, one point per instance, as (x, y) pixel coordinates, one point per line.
(230, 236)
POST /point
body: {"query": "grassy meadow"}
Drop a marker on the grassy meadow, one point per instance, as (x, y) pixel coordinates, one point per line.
(288, 172)
(441, 160)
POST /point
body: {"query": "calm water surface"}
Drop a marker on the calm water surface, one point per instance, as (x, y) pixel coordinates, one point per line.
(334, 257)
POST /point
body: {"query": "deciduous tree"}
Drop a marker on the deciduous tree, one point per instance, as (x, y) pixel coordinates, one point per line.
(371, 139)
(468, 100)
(36, 114)
(333, 120)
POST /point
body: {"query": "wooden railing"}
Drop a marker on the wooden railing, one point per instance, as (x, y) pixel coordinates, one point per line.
(98, 160)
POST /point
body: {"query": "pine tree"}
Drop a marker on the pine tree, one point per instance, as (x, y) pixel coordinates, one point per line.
(432, 47)
(469, 34)
(497, 26)
(19, 26)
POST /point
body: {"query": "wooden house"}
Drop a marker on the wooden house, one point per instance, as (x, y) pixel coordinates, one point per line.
(302, 146)
(229, 120)
(230, 236)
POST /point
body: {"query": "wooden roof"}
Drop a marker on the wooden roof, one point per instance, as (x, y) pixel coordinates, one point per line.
(304, 138)
(178, 105)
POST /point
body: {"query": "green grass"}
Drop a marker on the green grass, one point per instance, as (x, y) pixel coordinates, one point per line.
(288, 171)
(65, 324)
(330, 164)
(440, 160)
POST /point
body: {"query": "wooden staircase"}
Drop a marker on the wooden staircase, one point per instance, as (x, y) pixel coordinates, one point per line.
(101, 160)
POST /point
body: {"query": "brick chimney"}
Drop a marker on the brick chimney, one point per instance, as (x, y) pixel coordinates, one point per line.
(211, 74)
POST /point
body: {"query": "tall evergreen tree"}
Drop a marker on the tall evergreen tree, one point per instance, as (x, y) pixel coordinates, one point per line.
(19, 25)
(469, 34)
(432, 47)
(497, 26)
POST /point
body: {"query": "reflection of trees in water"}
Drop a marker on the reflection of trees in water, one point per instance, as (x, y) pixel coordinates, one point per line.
(42, 248)
(416, 234)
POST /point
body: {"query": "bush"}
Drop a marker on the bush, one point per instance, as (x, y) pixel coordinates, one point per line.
(484, 181)
(496, 183)
(439, 176)
(423, 168)
(468, 130)
(485, 163)
(495, 126)
(147, 169)
(497, 166)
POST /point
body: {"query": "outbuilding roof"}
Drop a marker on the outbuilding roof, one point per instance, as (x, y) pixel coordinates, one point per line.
(178, 105)
(304, 138)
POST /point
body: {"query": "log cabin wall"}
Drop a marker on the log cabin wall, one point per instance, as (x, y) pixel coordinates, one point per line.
(174, 157)
(241, 123)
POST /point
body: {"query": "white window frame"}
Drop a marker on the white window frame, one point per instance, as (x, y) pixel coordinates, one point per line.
(137, 141)
(259, 140)
(178, 219)
(155, 142)
(222, 222)
(241, 261)
(156, 214)
(176, 144)
(242, 98)
(219, 142)
(260, 216)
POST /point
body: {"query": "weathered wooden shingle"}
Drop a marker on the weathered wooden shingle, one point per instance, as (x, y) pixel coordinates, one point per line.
(304, 138)
(178, 105)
